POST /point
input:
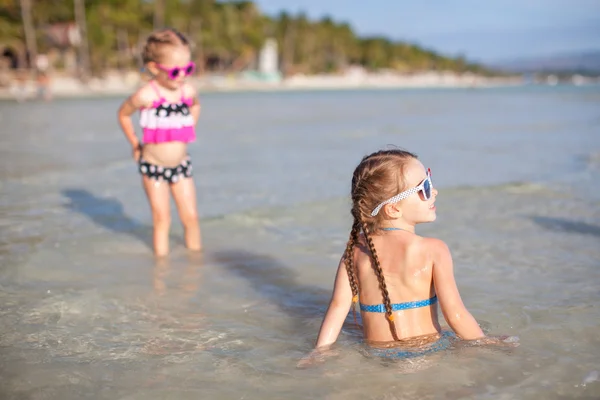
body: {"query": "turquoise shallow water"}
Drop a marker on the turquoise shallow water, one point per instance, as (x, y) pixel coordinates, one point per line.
(87, 312)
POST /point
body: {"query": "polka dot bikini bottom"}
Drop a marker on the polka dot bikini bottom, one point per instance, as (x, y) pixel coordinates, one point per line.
(171, 175)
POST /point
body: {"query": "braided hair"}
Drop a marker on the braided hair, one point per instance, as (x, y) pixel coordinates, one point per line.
(159, 41)
(378, 177)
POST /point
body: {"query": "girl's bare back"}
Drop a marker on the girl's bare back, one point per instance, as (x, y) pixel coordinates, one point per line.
(408, 273)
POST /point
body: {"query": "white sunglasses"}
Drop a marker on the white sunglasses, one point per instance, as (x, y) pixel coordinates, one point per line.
(424, 187)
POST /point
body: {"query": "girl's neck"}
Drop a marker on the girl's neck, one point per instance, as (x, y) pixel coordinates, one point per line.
(164, 89)
(397, 227)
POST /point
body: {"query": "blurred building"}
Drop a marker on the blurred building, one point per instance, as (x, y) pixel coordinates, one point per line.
(61, 40)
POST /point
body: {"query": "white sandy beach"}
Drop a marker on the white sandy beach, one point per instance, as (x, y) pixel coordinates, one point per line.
(123, 83)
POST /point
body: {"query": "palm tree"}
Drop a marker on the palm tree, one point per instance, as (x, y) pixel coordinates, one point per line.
(29, 30)
(11, 34)
(83, 46)
(159, 14)
(224, 31)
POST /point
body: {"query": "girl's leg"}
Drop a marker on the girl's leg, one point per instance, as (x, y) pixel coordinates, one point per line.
(184, 193)
(158, 196)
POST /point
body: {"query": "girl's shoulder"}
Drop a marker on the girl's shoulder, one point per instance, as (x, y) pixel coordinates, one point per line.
(433, 243)
(435, 249)
(188, 91)
(145, 95)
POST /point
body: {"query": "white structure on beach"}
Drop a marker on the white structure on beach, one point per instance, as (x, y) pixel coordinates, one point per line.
(267, 59)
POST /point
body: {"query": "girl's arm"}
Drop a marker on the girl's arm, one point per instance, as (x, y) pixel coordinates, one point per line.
(338, 309)
(456, 314)
(130, 106)
(195, 107)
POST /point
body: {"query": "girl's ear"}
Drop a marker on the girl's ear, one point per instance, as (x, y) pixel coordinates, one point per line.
(152, 68)
(392, 210)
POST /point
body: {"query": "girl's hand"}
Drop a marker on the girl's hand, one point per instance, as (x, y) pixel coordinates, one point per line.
(500, 340)
(317, 356)
(137, 153)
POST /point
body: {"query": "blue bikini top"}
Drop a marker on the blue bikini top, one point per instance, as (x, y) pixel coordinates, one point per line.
(380, 308)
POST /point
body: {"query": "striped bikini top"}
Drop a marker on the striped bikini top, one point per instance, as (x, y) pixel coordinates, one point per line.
(167, 122)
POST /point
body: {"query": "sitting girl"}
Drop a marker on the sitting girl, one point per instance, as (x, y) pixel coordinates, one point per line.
(398, 276)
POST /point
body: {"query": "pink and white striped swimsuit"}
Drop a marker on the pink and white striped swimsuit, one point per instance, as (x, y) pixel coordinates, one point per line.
(167, 122)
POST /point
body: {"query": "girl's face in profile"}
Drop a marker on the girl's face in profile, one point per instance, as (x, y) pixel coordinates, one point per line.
(415, 208)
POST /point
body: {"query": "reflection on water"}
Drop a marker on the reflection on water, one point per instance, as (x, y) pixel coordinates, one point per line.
(88, 312)
(187, 282)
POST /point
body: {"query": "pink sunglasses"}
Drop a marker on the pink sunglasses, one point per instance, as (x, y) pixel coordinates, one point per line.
(176, 71)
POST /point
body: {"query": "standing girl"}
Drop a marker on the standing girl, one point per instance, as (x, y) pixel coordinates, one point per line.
(169, 110)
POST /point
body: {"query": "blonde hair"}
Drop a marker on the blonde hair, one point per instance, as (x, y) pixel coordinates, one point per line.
(161, 40)
(378, 177)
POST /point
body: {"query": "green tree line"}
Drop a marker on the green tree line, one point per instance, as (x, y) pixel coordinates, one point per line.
(226, 36)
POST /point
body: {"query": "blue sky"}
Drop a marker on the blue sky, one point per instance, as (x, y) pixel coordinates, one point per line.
(484, 30)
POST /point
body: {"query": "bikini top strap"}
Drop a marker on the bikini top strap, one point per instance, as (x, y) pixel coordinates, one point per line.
(153, 84)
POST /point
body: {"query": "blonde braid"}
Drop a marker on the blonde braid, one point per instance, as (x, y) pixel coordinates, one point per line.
(378, 177)
(379, 273)
(349, 260)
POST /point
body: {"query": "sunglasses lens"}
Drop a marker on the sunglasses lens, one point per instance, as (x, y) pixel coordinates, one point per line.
(427, 189)
(174, 73)
(189, 69)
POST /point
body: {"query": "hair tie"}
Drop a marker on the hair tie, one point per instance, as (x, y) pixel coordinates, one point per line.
(355, 298)
(391, 317)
